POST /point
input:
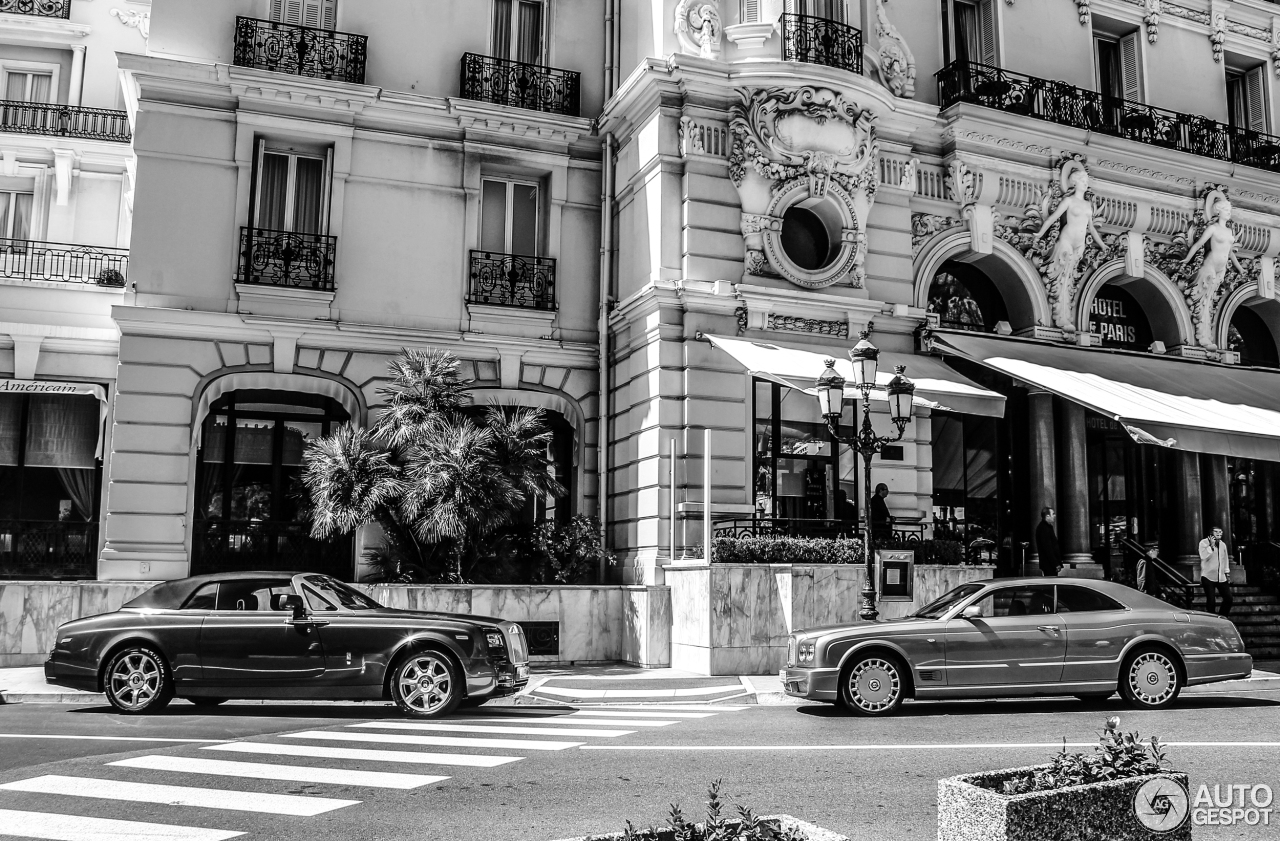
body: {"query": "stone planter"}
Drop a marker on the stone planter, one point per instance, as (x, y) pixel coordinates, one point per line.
(970, 808)
(778, 823)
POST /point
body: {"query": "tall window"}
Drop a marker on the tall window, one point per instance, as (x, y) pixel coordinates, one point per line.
(1246, 99)
(827, 9)
(15, 215)
(518, 30)
(322, 14)
(27, 86)
(292, 191)
(969, 31)
(965, 477)
(1116, 66)
(509, 217)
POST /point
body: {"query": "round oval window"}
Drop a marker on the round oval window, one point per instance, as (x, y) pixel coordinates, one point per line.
(805, 239)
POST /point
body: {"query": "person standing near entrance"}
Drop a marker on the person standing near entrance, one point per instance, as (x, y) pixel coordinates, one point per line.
(1047, 542)
(881, 519)
(1215, 570)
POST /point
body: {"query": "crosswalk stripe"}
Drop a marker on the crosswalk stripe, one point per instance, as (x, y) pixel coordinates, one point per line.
(603, 722)
(413, 757)
(438, 741)
(567, 692)
(662, 708)
(517, 713)
(209, 798)
(78, 828)
(267, 771)
(596, 712)
(482, 728)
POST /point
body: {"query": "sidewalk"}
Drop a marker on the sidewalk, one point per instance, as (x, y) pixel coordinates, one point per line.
(624, 685)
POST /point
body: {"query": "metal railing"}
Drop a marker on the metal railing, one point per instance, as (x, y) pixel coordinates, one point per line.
(39, 549)
(37, 8)
(511, 280)
(64, 121)
(815, 40)
(1058, 102)
(300, 50)
(22, 259)
(520, 85)
(238, 546)
(1162, 580)
(286, 258)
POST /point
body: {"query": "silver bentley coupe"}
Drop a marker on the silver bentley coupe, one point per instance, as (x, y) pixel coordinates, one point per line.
(1018, 637)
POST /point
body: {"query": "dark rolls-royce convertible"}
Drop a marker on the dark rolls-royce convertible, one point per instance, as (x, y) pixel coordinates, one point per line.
(1018, 637)
(281, 635)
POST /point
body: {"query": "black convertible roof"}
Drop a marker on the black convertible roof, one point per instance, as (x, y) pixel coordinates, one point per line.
(172, 594)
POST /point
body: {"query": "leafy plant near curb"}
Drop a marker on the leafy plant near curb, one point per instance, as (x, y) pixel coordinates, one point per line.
(825, 550)
(747, 826)
(1117, 756)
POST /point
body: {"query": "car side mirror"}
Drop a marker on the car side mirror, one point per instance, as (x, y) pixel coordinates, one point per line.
(294, 603)
(973, 611)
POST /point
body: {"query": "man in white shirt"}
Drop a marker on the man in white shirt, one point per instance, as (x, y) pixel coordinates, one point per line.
(1215, 570)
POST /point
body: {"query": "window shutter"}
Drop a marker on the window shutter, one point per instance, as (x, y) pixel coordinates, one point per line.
(987, 32)
(287, 11)
(1255, 88)
(1132, 87)
(750, 11)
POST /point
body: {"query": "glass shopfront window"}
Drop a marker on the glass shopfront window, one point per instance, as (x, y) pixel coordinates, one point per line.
(966, 457)
(50, 481)
(1125, 488)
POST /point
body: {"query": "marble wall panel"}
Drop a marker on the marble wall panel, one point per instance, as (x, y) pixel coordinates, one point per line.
(747, 605)
(690, 606)
(646, 626)
(748, 660)
(98, 598)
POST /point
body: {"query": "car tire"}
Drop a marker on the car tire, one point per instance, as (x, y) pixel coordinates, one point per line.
(426, 684)
(1150, 679)
(472, 702)
(137, 681)
(872, 684)
(204, 701)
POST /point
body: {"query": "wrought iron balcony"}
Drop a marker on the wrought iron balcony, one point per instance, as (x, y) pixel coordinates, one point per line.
(510, 280)
(37, 8)
(1058, 102)
(64, 121)
(300, 50)
(35, 549)
(814, 40)
(520, 85)
(286, 258)
(22, 259)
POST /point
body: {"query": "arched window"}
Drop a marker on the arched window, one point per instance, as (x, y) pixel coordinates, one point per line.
(1121, 321)
(1250, 337)
(250, 510)
(966, 299)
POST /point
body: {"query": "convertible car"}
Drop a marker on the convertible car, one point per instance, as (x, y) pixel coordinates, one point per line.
(1018, 637)
(280, 635)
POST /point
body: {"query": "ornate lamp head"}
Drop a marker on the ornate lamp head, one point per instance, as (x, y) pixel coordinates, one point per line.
(865, 358)
(830, 386)
(901, 390)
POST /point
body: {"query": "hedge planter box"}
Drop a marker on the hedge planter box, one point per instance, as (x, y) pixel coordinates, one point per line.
(778, 823)
(971, 808)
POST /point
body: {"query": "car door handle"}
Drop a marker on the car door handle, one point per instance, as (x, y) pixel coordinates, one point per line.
(1050, 628)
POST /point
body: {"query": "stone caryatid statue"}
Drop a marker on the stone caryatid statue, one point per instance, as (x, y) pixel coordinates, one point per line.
(698, 27)
(1076, 213)
(896, 65)
(1218, 241)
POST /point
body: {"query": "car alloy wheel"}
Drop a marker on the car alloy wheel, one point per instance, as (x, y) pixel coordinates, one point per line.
(1151, 680)
(424, 685)
(872, 686)
(137, 681)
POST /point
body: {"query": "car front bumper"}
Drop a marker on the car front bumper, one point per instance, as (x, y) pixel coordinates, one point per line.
(60, 673)
(811, 684)
(511, 679)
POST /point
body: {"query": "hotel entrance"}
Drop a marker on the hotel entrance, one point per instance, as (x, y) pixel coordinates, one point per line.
(1125, 485)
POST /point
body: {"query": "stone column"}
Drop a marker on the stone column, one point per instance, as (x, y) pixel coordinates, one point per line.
(1188, 517)
(1044, 469)
(1217, 497)
(1264, 492)
(1073, 511)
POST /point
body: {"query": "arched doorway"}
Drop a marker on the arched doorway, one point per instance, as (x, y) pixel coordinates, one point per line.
(1117, 316)
(1132, 312)
(965, 298)
(250, 504)
(1251, 332)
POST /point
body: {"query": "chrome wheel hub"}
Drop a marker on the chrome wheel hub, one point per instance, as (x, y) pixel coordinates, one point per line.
(874, 685)
(425, 684)
(1153, 678)
(135, 680)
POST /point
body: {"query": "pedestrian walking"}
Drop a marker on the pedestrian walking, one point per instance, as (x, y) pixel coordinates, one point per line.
(1141, 571)
(881, 519)
(1215, 571)
(1047, 542)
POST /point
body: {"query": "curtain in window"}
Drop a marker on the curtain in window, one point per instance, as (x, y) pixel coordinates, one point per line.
(273, 187)
(41, 84)
(501, 28)
(78, 484)
(968, 35)
(524, 219)
(308, 190)
(22, 207)
(10, 428)
(529, 35)
(62, 431)
(493, 216)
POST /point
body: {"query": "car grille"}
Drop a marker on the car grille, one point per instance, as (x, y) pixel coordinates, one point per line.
(516, 647)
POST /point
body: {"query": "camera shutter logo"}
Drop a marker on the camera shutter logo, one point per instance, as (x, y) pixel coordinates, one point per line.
(1161, 804)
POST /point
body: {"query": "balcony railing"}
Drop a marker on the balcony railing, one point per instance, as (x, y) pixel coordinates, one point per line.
(48, 549)
(510, 280)
(37, 8)
(300, 50)
(238, 546)
(520, 85)
(22, 259)
(285, 258)
(822, 41)
(64, 121)
(1058, 102)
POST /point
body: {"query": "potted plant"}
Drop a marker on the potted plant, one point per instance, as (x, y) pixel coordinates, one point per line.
(1122, 791)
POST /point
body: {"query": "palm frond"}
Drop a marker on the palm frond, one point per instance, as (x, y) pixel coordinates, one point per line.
(349, 477)
(522, 445)
(424, 384)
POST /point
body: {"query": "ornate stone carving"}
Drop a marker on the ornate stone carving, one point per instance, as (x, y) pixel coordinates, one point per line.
(1275, 43)
(897, 65)
(925, 225)
(807, 146)
(140, 21)
(698, 27)
(1071, 207)
(1151, 19)
(1082, 11)
(1213, 249)
(702, 138)
(1218, 34)
(962, 186)
(757, 264)
(910, 179)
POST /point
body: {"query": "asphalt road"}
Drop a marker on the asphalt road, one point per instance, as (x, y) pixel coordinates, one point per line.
(863, 778)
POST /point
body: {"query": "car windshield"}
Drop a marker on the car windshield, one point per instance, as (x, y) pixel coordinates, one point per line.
(945, 602)
(340, 594)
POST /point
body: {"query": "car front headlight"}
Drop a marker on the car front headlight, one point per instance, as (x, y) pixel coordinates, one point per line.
(493, 638)
(806, 651)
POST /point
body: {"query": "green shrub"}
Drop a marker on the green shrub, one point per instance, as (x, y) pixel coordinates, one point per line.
(786, 550)
(717, 827)
(943, 552)
(1117, 756)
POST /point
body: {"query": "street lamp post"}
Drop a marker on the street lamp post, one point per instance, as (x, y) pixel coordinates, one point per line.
(830, 388)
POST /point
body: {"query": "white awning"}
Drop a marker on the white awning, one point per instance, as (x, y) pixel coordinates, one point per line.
(1174, 403)
(937, 386)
